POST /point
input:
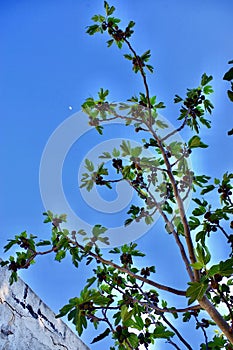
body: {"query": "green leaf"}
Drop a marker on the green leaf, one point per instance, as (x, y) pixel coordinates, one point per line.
(198, 265)
(196, 291)
(186, 316)
(194, 223)
(201, 236)
(101, 336)
(203, 254)
(195, 142)
(4, 263)
(98, 230)
(161, 124)
(161, 105)
(213, 270)
(109, 10)
(161, 332)
(89, 165)
(128, 221)
(150, 68)
(208, 106)
(9, 245)
(199, 211)
(230, 95)
(64, 310)
(228, 75)
(13, 277)
(136, 151)
(91, 30)
(42, 243)
(205, 122)
(115, 251)
(98, 18)
(128, 57)
(224, 268)
(133, 340)
(99, 129)
(115, 153)
(208, 89)
(90, 281)
(131, 24)
(177, 99)
(203, 203)
(60, 255)
(103, 94)
(207, 189)
(205, 79)
(105, 155)
(139, 322)
(125, 314)
(126, 148)
(110, 42)
(149, 220)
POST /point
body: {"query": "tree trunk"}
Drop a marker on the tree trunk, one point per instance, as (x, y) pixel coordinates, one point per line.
(218, 319)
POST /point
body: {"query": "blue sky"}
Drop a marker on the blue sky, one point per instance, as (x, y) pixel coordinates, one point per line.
(48, 63)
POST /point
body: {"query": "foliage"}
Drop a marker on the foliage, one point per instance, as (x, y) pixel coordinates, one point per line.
(229, 77)
(125, 298)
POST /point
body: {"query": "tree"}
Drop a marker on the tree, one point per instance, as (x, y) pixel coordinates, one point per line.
(119, 294)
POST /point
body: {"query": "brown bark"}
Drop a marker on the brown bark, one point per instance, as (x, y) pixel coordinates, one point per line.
(217, 318)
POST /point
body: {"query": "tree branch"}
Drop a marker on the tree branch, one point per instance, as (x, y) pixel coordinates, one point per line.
(218, 319)
(130, 273)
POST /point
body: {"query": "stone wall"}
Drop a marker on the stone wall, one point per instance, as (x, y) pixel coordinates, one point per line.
(27, 323)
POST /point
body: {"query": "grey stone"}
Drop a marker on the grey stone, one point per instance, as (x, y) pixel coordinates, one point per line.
(27, 323)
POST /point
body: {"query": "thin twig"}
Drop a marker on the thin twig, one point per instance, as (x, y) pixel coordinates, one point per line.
(176, 332)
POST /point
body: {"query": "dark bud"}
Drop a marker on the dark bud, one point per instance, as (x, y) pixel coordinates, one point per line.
(214, 284)
(13, 266)
(217, 277)
(104, 26)
(119, 329)
(207, 215)
(145, 272)
(205, 323)
(126, 259)
(117, 163)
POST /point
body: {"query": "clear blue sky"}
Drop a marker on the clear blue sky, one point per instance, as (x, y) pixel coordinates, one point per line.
(48, 63)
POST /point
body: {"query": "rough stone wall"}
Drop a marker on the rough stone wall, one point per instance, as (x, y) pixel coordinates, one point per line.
(26, 323)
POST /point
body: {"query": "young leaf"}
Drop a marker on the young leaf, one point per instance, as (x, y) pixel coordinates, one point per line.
(196, 291)
(177, 99)
(205, 79)
(195, 142)
(89, 165)
(60, 255)
(110, 42)
(115, 153)
(197, 265)
(93, 29)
